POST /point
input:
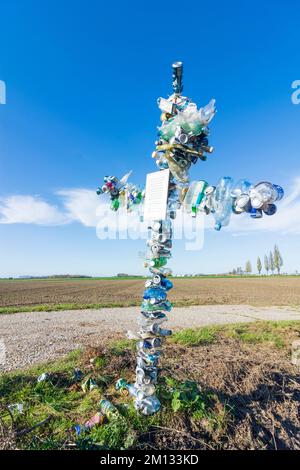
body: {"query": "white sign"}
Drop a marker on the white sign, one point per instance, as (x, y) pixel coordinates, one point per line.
(156, 197)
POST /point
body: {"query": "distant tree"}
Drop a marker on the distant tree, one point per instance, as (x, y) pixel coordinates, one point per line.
(239, 271)
(278, 261)
(266, 263)
(271, 262)
(248, 267)
(259, 265)
(234, 271)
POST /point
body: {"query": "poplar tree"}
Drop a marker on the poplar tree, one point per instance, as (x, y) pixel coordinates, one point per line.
(266, 263)
(271, 262)
(259, 265)
(278, 261)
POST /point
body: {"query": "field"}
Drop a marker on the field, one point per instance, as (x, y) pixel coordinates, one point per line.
(16, 295)
(230, 387)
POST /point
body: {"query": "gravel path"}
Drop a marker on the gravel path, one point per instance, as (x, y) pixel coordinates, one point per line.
(30, 338)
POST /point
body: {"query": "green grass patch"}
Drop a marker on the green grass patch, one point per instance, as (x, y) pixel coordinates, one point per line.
(272, 332)
(196, 336)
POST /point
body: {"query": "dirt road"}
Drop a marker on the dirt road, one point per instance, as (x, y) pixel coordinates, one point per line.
(30, 338)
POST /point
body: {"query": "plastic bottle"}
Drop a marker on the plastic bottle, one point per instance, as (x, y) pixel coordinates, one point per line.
(194, 196)
(115, 204)
(122, 384)
(223, 202)
(158, 262)
(243, 186)
(107, 408)
(264, 193)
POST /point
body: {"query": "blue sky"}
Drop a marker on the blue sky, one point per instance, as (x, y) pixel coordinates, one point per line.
(82, 79)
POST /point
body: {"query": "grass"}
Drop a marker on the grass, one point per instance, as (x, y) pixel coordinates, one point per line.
(255, 332)
(196, 336)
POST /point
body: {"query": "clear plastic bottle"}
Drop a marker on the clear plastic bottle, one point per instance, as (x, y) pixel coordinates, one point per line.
(194, 196)
(223, 202)
(243, 186)
(264, 193)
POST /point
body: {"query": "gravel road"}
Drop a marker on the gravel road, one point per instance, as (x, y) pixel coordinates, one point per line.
(30, 338)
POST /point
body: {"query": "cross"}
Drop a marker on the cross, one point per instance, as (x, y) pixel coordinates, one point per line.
(182, 142)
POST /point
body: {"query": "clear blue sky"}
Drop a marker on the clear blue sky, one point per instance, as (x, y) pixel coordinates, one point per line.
(82, 81)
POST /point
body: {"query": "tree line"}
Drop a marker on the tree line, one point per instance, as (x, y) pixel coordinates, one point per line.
(271, 263)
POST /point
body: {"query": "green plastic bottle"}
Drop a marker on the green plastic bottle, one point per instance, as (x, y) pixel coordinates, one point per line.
(115, 204)
(158, 262)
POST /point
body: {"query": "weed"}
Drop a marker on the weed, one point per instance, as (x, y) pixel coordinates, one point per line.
(196, 337)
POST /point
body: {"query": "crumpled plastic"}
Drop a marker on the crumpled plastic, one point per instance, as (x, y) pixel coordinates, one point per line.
(190, 120)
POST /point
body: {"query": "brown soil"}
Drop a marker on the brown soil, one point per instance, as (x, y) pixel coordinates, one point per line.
(260, 388)
(253, 291)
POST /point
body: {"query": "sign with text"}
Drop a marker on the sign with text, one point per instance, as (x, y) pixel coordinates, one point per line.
(156, 197)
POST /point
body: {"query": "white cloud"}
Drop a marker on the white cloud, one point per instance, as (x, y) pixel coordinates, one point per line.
(30, 210)
(81, 205)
